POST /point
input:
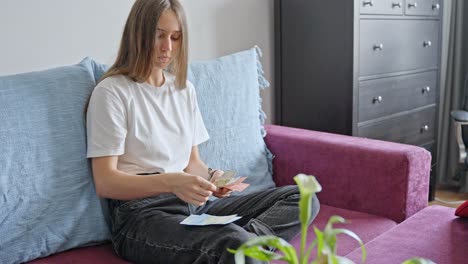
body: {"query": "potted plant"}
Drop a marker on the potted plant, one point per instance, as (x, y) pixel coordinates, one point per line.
(325, 241)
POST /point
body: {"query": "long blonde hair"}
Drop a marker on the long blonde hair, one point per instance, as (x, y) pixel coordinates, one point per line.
(136, 53)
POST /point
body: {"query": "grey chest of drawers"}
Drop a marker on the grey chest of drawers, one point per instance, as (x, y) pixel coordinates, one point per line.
(367, 68)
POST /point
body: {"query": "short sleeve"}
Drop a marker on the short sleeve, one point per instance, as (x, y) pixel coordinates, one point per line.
(200, 134)
(105, 124)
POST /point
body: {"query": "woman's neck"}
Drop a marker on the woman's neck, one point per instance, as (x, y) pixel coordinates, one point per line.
(156, 78)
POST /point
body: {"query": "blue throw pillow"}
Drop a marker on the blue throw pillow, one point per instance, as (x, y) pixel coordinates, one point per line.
(229, 100)
(48, 201)
(228, 91)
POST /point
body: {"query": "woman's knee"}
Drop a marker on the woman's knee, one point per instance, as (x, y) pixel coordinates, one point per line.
(235, 237)
(231, 238)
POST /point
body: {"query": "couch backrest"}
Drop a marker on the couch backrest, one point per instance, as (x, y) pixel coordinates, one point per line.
(45, 179)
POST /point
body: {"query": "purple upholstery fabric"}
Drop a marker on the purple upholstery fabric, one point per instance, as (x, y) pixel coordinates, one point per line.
(86, 255)
(434, 233)
(366, 226)
(372, 176)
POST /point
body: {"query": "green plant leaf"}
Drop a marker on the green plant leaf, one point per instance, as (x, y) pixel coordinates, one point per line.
(272, 241)
(329, 235)
(252, 248)
(261, 254)
(331, 242)
(239, 256)
(331, 259)
(335, 219)
(343, 260)
(308, 185)
(418, 261)
(320, 241)
(309, 251)
(356, 237)
(320, 260)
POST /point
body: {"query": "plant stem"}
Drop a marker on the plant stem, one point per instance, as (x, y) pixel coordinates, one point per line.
(303, 243)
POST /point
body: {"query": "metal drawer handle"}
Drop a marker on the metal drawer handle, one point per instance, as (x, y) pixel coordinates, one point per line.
(399, 4)
(369, 2)
(424, 128)
(435, 6)
(426, 89)
(377, 99)
(378, 46)
(412, 5)
(427, 43)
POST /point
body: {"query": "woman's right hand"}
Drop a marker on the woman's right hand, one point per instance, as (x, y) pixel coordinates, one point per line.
(191, 188)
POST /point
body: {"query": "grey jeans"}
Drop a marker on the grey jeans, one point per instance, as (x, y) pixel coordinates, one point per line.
(149, 230)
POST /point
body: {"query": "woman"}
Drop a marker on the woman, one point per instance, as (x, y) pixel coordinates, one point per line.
(144, 126)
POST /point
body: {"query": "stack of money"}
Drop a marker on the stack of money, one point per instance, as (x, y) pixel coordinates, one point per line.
(230, 181)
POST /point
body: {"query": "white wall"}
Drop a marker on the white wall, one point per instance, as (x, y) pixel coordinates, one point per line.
(220, 27)
(37, 35)
(42, 34)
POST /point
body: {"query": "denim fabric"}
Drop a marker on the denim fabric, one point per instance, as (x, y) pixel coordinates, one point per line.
(149, 230)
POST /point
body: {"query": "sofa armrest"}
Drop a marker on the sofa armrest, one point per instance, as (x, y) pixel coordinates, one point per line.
(377, 177)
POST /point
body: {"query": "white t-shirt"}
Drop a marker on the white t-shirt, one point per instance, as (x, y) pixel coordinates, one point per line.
(151, 129)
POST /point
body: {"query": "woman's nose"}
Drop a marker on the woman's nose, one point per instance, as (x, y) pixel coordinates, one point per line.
(166, 45)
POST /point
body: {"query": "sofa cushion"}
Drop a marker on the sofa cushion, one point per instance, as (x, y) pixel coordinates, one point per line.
(462, 210)
(433, 233)
(229, 100)
(228, 92)
(48, 198)
(366, 226)
(86, 255)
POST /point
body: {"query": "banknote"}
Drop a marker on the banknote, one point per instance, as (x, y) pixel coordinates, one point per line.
(228, 177)
(206, 219)
(239, 187)
(230, 181)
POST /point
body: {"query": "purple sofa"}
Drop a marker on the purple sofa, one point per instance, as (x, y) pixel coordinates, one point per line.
(381, 188)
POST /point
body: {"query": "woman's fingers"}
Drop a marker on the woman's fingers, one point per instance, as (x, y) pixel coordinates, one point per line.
(195, 199)
(205, 184)
(202, 192)
(216, 175)
(197, 190)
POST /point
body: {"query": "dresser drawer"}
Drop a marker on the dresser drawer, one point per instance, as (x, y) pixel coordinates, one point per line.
(386, 96)
(416, 128)
(422, 7)
(397, 45)
(382, 7)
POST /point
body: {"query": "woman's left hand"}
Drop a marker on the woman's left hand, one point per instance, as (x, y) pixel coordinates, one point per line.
(220, 192)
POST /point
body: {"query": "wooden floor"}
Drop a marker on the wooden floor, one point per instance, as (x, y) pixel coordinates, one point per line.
(448, 196)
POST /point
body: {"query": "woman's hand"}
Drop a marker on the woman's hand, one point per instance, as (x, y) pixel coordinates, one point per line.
(220, 192)
(191, 188)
